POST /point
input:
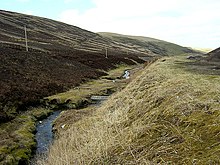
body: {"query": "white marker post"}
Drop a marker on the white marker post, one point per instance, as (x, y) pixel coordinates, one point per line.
(25, 34)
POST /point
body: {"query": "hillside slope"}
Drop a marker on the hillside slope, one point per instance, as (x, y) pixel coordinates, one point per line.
(168, 114)
(59, 57)
(147, 44)
(214, 55)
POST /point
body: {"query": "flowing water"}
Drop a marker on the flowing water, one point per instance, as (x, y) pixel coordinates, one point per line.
(44, 135)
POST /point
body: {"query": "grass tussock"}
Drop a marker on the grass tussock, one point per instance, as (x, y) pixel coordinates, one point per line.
(166, 115)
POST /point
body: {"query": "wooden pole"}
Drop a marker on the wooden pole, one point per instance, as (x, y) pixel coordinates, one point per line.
(25, 34)
(106, 52)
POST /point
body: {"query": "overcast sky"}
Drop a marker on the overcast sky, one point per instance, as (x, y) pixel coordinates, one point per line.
(192, 23)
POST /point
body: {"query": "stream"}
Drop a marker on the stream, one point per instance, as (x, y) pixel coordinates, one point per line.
(44, 135)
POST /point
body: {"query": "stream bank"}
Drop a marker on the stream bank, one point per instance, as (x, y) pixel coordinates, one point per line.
(17, 138)
(90, 93)
(18, 143)
(44, 136)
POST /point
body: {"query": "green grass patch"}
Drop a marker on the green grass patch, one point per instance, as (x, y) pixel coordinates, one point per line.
(17, 137)
(100, 86)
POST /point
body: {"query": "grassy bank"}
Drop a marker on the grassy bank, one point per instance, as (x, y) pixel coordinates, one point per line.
(80, 97)
(169, 114)
(99, 86)
(17, 141)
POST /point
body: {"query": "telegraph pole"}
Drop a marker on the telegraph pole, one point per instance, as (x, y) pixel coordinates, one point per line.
(25, 34)
(106, 52)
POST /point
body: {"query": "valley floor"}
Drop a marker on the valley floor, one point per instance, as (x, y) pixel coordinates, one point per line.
(168, 114)
(17, 141)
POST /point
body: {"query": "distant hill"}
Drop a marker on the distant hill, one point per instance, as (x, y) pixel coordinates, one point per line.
(59, 57)
(214, 55)
(147, 44)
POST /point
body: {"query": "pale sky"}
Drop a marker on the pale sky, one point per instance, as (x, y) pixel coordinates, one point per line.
(191, 23)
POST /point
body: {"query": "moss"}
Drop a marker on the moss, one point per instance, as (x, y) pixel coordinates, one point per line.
(21, 154)
(40, 113)
(3, 152)
(80, 96)
(10, 160)
(18, 136)
(206, 129)
(10, 110)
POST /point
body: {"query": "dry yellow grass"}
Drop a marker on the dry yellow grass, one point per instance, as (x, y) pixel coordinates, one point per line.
(166, 115)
